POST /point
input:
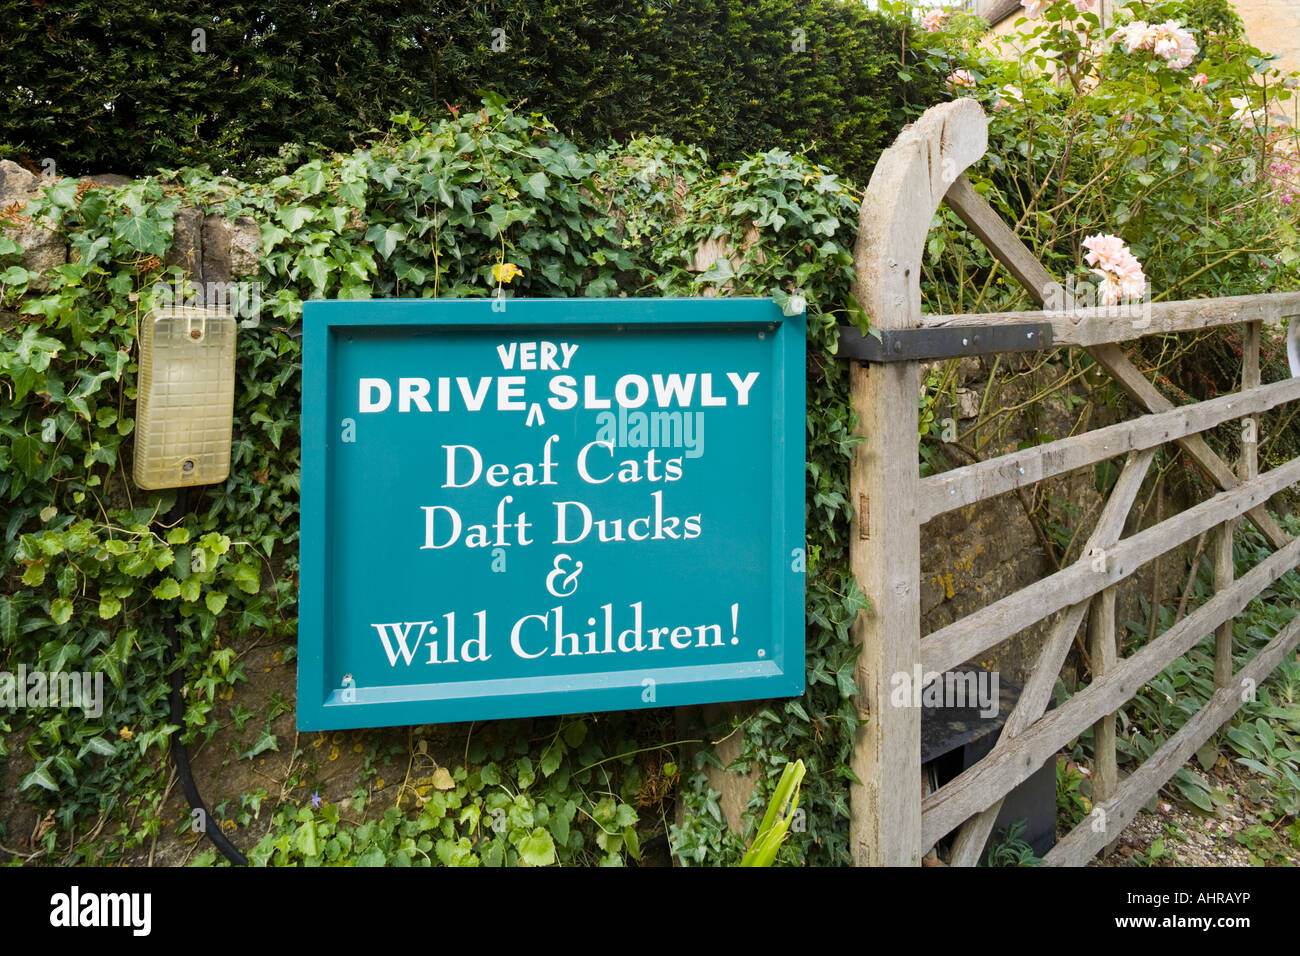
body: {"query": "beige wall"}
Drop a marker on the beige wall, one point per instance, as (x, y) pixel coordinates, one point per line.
(1274, 27)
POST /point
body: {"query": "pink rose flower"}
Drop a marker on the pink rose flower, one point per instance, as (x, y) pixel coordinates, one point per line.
(934, 19)
(961, 79)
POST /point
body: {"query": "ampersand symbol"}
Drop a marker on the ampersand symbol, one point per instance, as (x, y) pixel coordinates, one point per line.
(569, 584)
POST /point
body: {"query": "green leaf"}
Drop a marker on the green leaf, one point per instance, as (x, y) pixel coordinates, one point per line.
(304, 838)
(109, 606)
(315, 269)
(538, 849)
(536, 185)
(294, 216)
(216, 601)
(191, 587)
(386, 238)
(265, 741)
(141, 233)
(248, 577)
(100, 746)
(24, 452)
(168, 590)
(40, 777)
(60, 610)
(575, 733)
(8, 621)
(551, 759)
(625, 816)
(354, 194)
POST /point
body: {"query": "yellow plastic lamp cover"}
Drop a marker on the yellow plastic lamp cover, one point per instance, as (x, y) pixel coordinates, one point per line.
(185, 397)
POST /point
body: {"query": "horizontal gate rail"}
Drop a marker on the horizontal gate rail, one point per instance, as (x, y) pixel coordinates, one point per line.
(989, 626)
(1100, 325)
(1083, 841)
(1010, 763)
(964, 486)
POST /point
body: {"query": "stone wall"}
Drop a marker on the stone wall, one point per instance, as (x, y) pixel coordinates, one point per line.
(209, 248)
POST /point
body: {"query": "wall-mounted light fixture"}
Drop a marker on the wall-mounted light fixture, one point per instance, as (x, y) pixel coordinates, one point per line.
(185, 397)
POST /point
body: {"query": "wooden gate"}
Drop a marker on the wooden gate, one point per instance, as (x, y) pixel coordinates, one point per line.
(891, 823)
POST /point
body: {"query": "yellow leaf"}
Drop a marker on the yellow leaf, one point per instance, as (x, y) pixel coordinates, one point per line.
(503, 272)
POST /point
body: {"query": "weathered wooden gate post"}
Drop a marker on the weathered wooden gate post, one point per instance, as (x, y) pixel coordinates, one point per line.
(885, 551)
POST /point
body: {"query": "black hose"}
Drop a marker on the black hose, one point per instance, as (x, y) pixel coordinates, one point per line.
(180, 755)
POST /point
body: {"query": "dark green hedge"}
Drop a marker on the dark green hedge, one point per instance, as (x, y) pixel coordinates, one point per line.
(117, 86)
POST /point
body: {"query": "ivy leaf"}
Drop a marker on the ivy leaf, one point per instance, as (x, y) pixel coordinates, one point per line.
(313, 179)
(354, 194)
(315, 269)
(265, 741)
(304, 838)
(575, 733)
(141, 233)
(625, 816)
(40, 777)
(386, 238)
(536, 185)
(294, 216)
(24, 452)
(97, 745)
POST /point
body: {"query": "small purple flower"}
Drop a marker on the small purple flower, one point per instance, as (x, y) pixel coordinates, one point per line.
(315, 800)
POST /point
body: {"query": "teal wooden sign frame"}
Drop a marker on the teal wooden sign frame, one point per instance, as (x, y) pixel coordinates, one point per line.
(518, 507)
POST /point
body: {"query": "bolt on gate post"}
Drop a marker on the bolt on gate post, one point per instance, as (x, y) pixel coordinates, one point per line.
(906, 188)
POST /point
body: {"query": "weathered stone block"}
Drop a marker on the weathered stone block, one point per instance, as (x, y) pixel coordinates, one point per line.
(43, 248)
(187, 243)
(216, 249)
(245, 247)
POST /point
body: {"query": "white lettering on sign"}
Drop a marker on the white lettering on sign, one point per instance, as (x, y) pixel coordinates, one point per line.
(646, 432)
(548, 635)
(518, 393)
(536, 355)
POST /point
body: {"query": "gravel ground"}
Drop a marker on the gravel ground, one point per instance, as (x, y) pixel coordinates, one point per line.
(1194, 838)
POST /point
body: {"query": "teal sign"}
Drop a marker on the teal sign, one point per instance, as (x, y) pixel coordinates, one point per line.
(517, 507)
